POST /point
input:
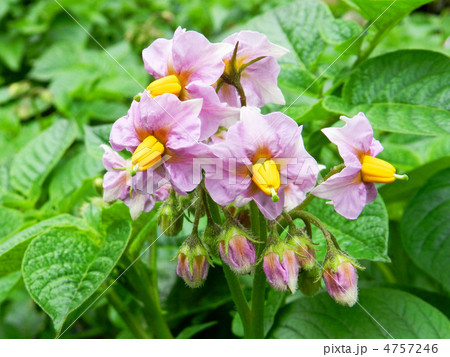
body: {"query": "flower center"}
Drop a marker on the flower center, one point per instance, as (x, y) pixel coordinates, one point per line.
(267, 178)
(147, 154)
(377, 170)
(167, 84)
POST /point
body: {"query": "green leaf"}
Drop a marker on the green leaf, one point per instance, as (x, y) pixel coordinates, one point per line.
(7, 282)
(70, 175)
(296, 27)
(33, 163)
(339, 31)
(401, 191)
(12, 51)
(403, 91)
(400, 314)
(13, 249)
(386, 12)
(94, 136)
(409, 77)
(10, 220)
(191, 331)
(402, 157)
(363, 238)
(63, 267)
(426, 227)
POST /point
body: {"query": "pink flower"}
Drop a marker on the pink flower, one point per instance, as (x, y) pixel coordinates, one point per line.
(260, 157)
(187, 66)
(353, 188)
(117, 184)
(162, 133)
(259, 79)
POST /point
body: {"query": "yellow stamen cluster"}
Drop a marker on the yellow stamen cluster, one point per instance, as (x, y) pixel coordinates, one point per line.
(377, 170)
(147, 154)
(167, 84)
(267, 177)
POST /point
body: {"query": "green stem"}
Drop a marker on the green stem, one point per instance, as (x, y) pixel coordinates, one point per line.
(314, 220)
(259, 229)
(239, 299)
(152, 310)
(126, 316)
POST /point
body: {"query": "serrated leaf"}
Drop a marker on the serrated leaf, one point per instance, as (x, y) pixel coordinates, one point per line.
(392, 313)
(64, 267)
(13, 249)
(363, 238)
(426, 227)
(70, 176)
(33, 163)
(10, 220)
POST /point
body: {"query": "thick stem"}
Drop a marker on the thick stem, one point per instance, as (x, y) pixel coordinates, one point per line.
(152, 310)
(259, 229)
(239, 299)
(126, 316)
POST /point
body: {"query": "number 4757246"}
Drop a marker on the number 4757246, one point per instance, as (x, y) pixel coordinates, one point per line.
(410, 348)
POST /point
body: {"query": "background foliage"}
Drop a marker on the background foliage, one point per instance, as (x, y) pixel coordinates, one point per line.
(60, 245)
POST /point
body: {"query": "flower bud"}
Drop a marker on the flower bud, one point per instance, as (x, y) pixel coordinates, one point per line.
(237, 251)
(304, 249)
(170, 219)
(341, 279)
(309, 281)
(193, 262)
(281, 267)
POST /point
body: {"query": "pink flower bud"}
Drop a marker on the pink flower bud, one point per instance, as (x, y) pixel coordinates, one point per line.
(193, 262)
(282, 275)
(342, 286)
(239, 255)
(306, 255)
(196, 276)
